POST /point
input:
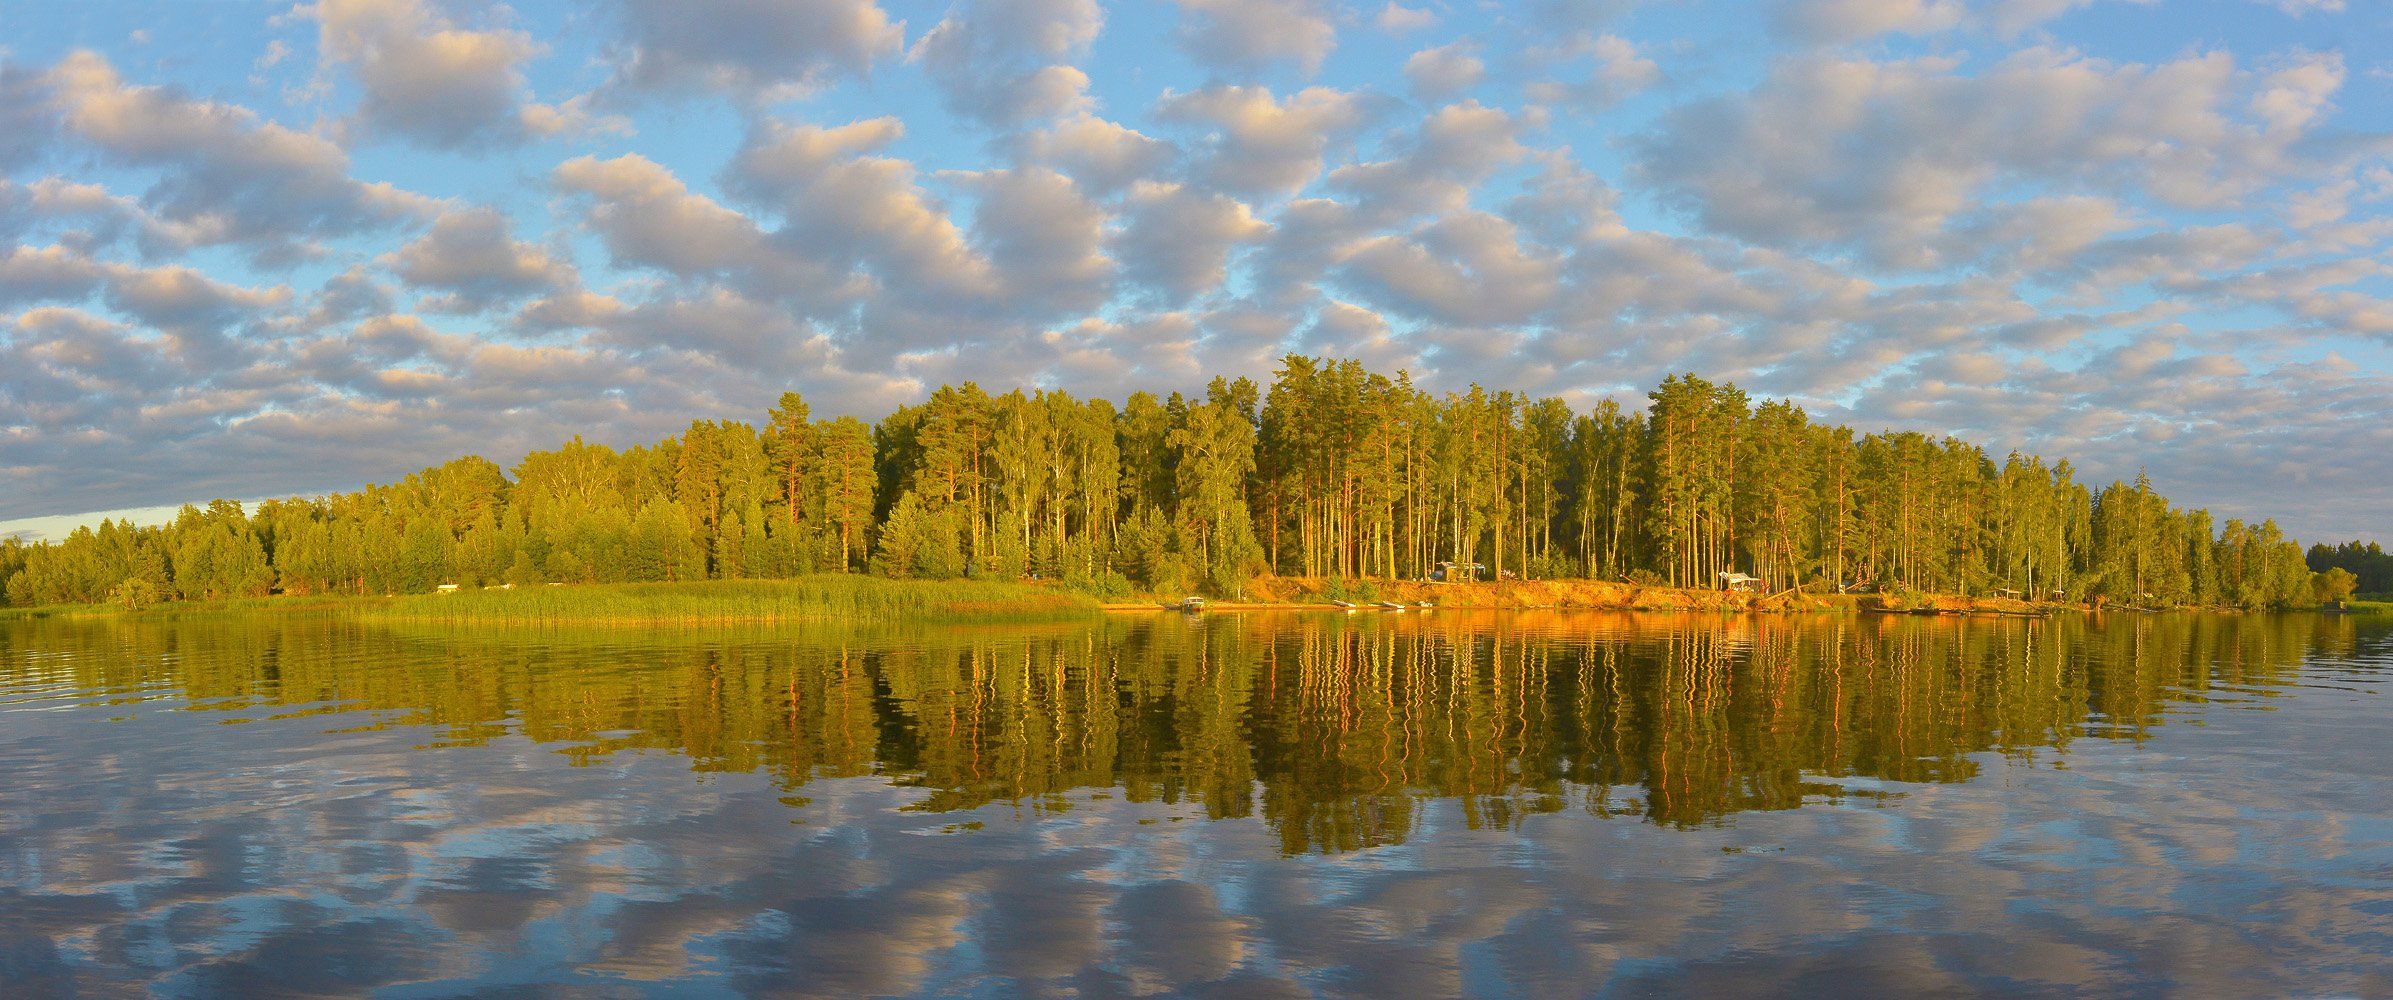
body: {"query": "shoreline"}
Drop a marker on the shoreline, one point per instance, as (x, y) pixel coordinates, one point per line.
(868, 599)
(1297, 593)
(815, 600)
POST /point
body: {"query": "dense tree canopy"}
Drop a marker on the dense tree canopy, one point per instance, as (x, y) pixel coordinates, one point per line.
(2370, 566)
(1334, 471)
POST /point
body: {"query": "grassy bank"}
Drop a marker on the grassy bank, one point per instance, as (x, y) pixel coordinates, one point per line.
(825, 598)
(179, 609)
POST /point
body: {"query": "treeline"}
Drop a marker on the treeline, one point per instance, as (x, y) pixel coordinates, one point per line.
(1335, 471)
(2370, 566)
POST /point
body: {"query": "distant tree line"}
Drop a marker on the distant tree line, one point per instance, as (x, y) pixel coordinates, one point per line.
(1335, 471)
(2370, 566)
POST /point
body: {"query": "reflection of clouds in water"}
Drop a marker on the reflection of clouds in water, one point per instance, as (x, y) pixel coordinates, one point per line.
(886, 904)
(279, 859)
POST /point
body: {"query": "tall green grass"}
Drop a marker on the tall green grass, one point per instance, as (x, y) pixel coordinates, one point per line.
(181, 609)
(823, 598)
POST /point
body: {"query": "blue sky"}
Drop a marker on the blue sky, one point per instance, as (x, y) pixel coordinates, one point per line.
(253, 249)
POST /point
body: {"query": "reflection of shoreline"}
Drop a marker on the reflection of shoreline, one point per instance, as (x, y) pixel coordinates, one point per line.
(822, 598)
(1331, 728)
(1567, 593)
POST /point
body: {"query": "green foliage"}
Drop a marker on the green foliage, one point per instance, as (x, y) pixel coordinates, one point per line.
(1358, 591)
(919, 541)
(2334, 586)
(2367, 562)
(133, 594)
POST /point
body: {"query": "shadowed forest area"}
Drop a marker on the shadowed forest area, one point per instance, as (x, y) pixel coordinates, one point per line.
(2370, 566)
(1334, 472)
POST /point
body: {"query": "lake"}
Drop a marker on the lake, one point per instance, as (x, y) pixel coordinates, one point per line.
(1248, 804)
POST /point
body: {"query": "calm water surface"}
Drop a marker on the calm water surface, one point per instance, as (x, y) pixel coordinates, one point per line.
(1233, 804)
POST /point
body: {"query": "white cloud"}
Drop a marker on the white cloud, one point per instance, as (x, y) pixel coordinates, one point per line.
(26, 120)
(228, 175)
(1620, 71)
(1444, 71)
(1889, 154)
(1176, 241)
(430, 81)
(1469, 269)
(1102, 155)
(468, 256)
(647, 217)
(850, 208)
(754, 49)
(1434, 170)
(1001, 61)
(1259, 144)
(1043, 238)
(1830, 21)
(1397, 19)
(1258, 34)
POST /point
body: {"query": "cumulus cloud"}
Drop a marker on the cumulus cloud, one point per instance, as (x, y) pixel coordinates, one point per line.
(36, 274)
(228, 176)
(469, 258)
(1176, 241)
(99, 216)
(1043, 237)
(1258, 144)
(854, 209)
(1434, 170)
(1831, 21)
(1844, 151)
(26, 119)
(1620, 71)
(1102, 155)
(1396, 19)
(649, 219)
(1469, 269)
(173, 297)
(1002, 61)
(427, 80)
(1444, 71)
(755, 49)
(179, 298)
(1835, 22)
(1258, 34)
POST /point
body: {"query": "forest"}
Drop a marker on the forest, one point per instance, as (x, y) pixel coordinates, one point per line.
(1334, 471)
(2370, 566)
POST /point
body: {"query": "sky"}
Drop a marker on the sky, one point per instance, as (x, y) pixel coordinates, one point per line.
(262, 249)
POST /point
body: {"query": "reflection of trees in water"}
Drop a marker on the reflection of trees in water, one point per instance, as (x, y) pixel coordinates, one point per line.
(1335, 729)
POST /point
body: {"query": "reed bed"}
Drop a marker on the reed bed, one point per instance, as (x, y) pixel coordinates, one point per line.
(823, 598)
